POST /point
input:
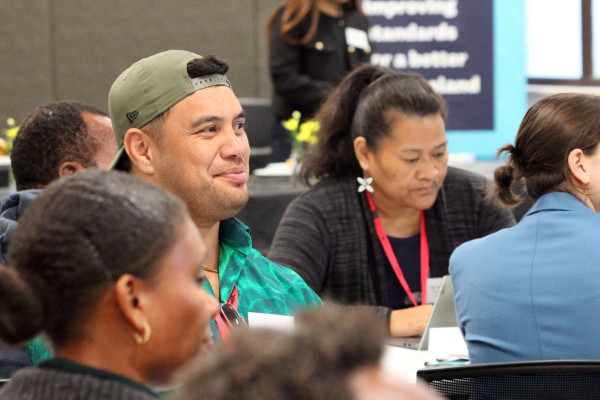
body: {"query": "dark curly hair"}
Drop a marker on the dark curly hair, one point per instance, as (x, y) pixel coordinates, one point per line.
(313, 362)
(77, 238)
(360, 106)
(52, 134)
(550, 130)
(196, 68)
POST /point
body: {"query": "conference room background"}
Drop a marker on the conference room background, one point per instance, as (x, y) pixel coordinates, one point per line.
(74, 49)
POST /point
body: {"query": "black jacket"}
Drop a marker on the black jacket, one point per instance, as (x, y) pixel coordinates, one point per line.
(328, 237)
(303, 75)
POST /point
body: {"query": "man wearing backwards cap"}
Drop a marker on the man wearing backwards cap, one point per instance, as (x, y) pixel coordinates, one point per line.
(178, 124)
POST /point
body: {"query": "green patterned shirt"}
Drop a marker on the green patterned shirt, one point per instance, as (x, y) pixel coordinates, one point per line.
(263, 286)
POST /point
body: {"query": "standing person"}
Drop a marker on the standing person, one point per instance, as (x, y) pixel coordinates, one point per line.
(178, 124)
(313, 44)
(529, 292)
(387, 212)
(56, 139)
(114, 284)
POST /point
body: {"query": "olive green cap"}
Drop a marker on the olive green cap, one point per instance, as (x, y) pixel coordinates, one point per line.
(149, 88)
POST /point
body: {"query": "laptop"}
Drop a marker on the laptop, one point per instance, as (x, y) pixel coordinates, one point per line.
(443, 315)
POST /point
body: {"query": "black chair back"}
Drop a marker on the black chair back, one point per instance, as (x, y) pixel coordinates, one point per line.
(259, 119)
(552, 379)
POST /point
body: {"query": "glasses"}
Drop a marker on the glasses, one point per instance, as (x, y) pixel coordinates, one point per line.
(231, 317)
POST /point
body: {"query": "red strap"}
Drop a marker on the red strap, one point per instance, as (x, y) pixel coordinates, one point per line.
(389, 252)
(223, 328)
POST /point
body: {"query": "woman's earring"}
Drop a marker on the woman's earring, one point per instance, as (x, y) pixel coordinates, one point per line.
(144, 337)
(365, 184)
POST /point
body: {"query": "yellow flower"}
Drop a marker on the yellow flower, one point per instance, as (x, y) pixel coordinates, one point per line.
(9, 134)
(12, 132)
(292, 123)
(308, 132)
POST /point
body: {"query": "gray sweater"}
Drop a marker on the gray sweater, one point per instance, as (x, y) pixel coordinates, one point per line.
(73, 382)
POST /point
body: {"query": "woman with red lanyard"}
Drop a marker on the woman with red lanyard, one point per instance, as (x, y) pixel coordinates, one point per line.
(387, 211)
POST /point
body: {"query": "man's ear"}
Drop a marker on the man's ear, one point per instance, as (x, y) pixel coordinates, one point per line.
(69, 167)
(579, 167)
(361, 151)
(130, 298)
(140, 148)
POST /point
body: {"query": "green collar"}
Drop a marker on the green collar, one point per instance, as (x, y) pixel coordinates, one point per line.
(236, 235)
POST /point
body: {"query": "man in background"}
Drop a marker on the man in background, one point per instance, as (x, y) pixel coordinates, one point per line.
(57, 139)
(179, 125)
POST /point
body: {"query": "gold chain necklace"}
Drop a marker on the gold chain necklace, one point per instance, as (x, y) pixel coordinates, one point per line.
(209, 269)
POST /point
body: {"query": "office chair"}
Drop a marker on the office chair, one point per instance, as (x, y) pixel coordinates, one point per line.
(260, 118)
(551, 379)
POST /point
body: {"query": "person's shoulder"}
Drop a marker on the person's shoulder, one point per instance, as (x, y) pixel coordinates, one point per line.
(327, 197)
(358, 16)
(464, 187)
(19, 199)
(330, 187)
(279, 277)
(258, 264)
(459, 176)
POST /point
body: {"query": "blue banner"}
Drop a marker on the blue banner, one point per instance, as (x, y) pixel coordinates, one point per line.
(455, 45)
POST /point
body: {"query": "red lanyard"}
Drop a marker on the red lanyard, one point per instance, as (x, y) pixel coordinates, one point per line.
(223, 328)
(387, 247)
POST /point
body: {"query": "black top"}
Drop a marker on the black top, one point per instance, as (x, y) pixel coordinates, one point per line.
(408, 254)
(303, 75)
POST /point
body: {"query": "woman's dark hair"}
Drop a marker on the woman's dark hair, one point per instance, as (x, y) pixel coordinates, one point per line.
(294, 12)
(361, 106)
(76, 239)
(550, 130)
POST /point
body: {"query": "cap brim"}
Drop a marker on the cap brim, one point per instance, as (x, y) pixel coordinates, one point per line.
(117, 158)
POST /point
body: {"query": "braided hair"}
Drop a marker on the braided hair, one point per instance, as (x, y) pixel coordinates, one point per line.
(73, 242)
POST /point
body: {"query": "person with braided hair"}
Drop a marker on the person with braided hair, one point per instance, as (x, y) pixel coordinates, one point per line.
(109, 268)
(528, 292)
(56, 139)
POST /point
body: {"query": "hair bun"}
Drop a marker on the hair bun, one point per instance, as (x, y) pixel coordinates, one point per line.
(21, 311)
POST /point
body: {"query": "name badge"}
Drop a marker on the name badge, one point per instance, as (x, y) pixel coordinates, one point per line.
(357, 38)
(433, 288)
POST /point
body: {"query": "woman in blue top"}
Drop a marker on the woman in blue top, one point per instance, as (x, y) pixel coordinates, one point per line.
(530, 292)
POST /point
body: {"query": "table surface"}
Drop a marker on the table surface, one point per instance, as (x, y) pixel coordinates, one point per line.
(404, 362)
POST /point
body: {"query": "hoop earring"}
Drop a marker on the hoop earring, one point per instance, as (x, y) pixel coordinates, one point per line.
(144, 337)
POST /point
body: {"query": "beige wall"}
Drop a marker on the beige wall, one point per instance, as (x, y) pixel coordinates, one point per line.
(74, 49)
